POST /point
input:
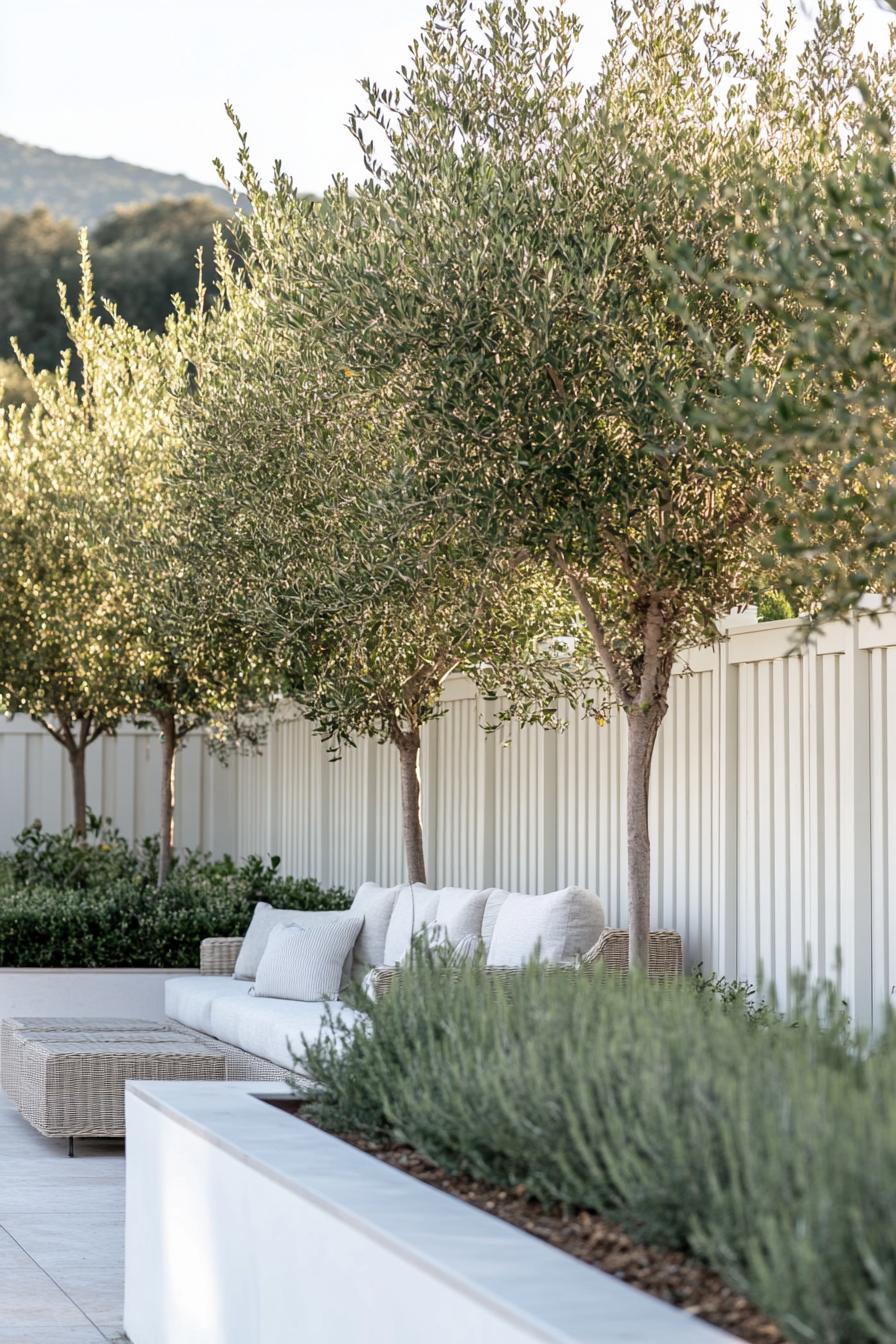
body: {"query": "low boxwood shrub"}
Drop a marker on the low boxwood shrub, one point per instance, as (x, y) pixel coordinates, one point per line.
(765, 1146)
(64, 903)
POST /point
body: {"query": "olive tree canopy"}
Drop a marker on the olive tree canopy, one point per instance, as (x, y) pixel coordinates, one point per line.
(500, 281)
(308, 526)
(97, 620)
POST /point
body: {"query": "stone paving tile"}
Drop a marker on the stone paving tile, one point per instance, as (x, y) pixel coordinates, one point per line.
(61, 1237)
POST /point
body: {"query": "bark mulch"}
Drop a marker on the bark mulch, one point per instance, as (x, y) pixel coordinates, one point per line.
(670, 1275)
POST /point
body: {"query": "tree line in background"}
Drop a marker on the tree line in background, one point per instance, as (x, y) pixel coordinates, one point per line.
(571, 372)
(141, 255)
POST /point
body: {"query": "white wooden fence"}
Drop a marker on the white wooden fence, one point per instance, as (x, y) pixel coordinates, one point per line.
(773, 803)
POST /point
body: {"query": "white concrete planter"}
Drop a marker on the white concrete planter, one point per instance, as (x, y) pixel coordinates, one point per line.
(129, 992)
(247, 1226)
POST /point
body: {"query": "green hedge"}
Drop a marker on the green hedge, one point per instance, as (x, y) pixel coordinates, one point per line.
(67, 904)
(765, 1148)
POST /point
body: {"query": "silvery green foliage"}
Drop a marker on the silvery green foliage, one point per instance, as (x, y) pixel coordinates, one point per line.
(316, 544)
(68, 628)
(820, 261)
(97, 615)
(762, 1143)
(71, 643)
(494, 297)
(496, 280)
(308, 523)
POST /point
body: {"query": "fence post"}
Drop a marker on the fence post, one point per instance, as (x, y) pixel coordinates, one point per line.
(725, 810)
(430, 782)
(549, 809)
(487, 710)
(272, 817)
(855, 852)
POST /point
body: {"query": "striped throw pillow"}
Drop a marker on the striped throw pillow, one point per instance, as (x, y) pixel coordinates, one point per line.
(306, 963)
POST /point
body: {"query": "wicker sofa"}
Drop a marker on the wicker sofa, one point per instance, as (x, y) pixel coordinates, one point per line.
(259, 1035)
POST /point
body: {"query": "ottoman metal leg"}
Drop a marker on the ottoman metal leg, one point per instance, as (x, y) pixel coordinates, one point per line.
(71, 1145)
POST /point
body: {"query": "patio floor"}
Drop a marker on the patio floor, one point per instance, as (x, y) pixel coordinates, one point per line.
(61, 1236)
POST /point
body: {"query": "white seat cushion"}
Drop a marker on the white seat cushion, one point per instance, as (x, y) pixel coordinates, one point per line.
(189, 998)
(560, 925)
(272, 1028)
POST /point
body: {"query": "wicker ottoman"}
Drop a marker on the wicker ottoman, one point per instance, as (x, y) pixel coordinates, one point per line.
(11, 1027)
(71, 1083)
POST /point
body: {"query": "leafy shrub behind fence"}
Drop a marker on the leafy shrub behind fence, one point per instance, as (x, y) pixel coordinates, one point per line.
(766, 1148)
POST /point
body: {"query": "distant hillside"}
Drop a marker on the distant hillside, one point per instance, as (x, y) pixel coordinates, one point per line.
(84, 190)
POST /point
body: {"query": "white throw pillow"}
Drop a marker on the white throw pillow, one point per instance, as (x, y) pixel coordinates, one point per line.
(264, 919)
(415, 907)
(306, 963)
(375, 904)
(561, 925)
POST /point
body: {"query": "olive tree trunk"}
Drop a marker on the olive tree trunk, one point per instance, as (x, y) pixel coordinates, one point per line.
(641, 687)
(408, 744)
(75, 735)
(168, 728)
(642, 731)
(77, 752)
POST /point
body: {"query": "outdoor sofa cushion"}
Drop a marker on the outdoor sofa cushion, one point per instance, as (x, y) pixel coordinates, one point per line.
(561, 925)
(189, 998)
(459, 912)
(496, 898)
(272, 1028)
(453, 913)
(375, 904)
(309, 960)
(265, 918)
(414, 909)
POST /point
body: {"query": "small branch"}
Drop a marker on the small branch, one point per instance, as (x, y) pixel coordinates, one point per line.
(595, 629)
(556, 381)
(62, 734)
(96, 731)
(625, 563)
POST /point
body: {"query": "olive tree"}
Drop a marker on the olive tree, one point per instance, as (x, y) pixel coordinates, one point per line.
(97, 619)
(67, 628)
(499, 280)
(311, 535)
(188, 672)
(184, 673)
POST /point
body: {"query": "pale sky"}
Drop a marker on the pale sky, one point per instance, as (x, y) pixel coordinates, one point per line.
(146, 80)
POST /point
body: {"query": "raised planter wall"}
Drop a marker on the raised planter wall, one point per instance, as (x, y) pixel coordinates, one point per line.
(245, 1225)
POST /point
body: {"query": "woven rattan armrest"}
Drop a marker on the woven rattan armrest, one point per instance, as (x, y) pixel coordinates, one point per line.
(611, 950)
(217, 956)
